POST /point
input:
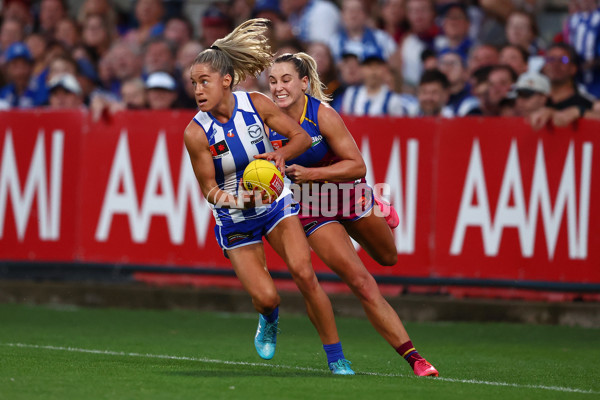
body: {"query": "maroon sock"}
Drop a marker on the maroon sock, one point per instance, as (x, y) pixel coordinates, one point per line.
(410, 354)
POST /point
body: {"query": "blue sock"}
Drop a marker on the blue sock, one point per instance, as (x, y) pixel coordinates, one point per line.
(334, 352)
(273, 316)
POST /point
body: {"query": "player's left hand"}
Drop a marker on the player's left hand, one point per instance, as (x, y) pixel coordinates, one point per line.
(276, 158)
(298, 174)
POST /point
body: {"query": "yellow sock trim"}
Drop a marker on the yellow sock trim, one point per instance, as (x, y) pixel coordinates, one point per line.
(408, 351)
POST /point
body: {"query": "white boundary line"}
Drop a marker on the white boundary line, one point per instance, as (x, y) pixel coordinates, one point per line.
(252, 364)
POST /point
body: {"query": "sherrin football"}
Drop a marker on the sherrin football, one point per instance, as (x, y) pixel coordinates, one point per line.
(263, 175)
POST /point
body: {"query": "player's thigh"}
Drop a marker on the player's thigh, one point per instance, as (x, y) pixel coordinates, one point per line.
(333, 246)
(250, 266)
(289, 242)
(375, 237)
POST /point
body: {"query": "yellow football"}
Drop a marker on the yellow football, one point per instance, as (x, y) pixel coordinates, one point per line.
(263, 175)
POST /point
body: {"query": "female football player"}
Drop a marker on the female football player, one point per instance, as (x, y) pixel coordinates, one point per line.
(224, 136)
(335, 158)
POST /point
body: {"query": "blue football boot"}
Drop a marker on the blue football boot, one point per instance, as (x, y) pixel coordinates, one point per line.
(341, 367)
(266, 338)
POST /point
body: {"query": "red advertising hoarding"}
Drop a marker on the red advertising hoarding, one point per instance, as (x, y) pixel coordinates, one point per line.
(477, 198)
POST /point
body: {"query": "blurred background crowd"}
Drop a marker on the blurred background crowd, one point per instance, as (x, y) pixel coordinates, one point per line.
(536, 59)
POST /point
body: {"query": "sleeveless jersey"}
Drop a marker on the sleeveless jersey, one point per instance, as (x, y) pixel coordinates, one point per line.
(233, 145)
(319, 154)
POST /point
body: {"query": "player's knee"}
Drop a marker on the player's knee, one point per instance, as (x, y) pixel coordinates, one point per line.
(305, 278)
(266, 302)
(388, 259)
(364, 287)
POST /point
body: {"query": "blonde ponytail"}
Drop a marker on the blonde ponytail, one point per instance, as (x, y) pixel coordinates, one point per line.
(244, 52)
(305, 65)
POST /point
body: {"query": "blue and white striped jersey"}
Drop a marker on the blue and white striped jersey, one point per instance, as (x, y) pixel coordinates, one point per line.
(584, 36)
(356, 101)
(233, 145)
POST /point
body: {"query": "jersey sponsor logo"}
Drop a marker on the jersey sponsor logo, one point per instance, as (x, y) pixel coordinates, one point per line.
(237, 237)
(316, 140)
(219, 149)
(230, 133)
(255, 133)
(277, 144)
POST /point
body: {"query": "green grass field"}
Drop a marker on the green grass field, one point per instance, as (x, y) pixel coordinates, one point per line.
(72, 353)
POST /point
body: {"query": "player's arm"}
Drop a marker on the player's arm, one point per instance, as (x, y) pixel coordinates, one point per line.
(351, 165)
(299, 140)
(197, 146)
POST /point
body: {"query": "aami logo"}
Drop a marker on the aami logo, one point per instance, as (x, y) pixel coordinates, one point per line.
(41, 188)
(520, 210)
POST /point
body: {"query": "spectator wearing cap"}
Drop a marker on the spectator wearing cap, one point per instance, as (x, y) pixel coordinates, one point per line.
(355, 36)
(214, 25)
(19, 68)
(461, 101)
(532, 91)
(433, 93)
(311, 20)
(161, 91)
(65, 92)
(584, 36)
(374, 98)
(455, 25)
(565, 103)
(58, 65)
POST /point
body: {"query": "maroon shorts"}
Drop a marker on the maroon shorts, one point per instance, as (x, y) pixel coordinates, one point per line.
(324, 203)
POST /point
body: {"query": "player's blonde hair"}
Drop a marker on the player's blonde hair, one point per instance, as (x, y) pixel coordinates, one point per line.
(245, 51)
(305, 65)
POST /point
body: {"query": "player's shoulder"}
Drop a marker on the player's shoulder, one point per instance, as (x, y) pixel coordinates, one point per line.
(194, 130)
(261, 102)
(327, 115)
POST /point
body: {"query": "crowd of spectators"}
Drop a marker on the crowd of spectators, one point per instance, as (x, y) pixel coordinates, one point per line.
(390, 57)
